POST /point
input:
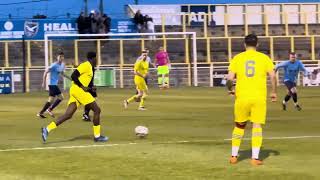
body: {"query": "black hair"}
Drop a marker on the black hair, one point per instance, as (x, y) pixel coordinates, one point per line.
(251, 40)
(292, 53)
(91, 55)
(61, 53)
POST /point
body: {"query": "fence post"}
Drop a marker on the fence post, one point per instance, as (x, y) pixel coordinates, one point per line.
(76, 55)
(292, 43)
(29, 54)
(211, 75)
(121, 63)
(208, 50)
(24, 64)
(6, 54)
(226, 21)
(98, 52)
(313, 55)
(229, 49)
(271, 48)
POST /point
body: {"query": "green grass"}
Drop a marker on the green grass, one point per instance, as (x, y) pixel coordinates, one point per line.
(202, 116)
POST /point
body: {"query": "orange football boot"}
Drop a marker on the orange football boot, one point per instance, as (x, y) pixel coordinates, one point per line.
(256, 162)
(233, 160)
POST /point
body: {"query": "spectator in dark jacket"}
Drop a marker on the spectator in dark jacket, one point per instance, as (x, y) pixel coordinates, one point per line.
(106, 23)
(81, 21)
(139, 21)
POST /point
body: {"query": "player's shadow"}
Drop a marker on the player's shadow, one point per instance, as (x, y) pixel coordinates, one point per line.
(82, 137)
(264, 154)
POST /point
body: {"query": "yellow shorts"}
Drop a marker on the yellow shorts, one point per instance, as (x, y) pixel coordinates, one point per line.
(250, 110)
(140, 83)
(79, 96)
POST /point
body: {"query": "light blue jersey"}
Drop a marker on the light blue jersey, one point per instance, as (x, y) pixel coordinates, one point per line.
(291, 70)
(55, 69)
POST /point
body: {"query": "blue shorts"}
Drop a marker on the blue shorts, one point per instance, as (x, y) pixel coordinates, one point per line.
(290, 85)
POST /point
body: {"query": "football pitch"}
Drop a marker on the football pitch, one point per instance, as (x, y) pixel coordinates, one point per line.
(189, 137)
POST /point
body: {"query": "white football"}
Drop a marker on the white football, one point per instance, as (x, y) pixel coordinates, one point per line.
(141, 131)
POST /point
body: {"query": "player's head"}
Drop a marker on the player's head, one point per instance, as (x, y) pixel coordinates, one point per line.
(60, 57)
(251, 41)
(92, 57)
(161, 48)
(146, 50)
(292, 56)
(144, 54)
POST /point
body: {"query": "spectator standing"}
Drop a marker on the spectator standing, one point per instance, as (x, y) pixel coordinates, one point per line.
(81, 21)
(93, 23)
(150, 27)
(139, 21)
(106, 23)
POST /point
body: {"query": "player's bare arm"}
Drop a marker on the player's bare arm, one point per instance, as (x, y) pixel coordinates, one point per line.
(44, 79)
(230, 78)
(273, 80)
(64, 75)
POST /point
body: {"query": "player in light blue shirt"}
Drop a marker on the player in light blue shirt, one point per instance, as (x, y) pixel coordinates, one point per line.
(56, 69)
(291, 68)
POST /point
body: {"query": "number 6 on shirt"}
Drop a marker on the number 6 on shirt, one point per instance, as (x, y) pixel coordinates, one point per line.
(250, 69)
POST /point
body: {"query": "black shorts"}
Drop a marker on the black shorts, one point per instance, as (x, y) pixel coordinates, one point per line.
(54, 90)
(146, 80)
(290, 85)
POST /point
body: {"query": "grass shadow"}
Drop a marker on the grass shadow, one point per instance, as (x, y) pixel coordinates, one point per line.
(82, 137)
(264, 154)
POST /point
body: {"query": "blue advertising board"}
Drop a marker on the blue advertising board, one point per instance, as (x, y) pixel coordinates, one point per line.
(197, 14)
(5, 84)
(123, 26)
(35, 28)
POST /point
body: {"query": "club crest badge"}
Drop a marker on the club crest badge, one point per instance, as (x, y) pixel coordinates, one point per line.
(31, 28)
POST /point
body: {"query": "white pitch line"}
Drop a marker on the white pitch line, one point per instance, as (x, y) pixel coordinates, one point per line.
(167, 142)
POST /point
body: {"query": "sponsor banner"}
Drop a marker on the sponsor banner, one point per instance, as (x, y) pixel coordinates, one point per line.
(36, 28)
(155, 12)
(123, 26)
(314, 77)
(197, 14)
(5, 84)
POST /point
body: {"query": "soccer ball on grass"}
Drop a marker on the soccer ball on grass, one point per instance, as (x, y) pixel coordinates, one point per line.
(141, 131)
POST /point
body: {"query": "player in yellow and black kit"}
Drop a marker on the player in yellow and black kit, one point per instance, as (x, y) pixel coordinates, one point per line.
(251, 69)
(141, 68)
(79, 95)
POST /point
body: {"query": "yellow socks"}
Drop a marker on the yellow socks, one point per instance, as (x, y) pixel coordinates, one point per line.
(51, 126)
(237, 135)
(166, 80)
(160, 79)
(256, 142)
(96, 131)
(143, 98)
(132, 98)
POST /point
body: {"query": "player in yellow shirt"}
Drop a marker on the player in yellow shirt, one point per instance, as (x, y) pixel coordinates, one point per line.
(80, 95)
(141, 68)
(250, 68)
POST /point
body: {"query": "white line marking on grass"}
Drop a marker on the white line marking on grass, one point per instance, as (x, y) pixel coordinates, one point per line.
(167, 142)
